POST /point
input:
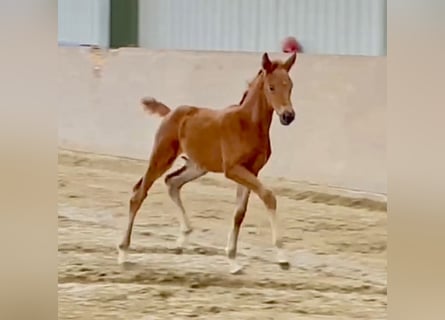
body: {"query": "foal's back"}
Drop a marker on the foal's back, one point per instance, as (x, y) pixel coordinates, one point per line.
(200, 133)
(201, 117)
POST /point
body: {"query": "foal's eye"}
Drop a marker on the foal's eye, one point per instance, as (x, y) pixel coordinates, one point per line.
(271, 88)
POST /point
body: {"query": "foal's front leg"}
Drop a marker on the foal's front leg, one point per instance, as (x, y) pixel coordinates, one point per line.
(242, 199)
(244, 177)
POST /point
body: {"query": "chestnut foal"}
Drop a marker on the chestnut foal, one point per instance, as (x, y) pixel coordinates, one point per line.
(234, 141)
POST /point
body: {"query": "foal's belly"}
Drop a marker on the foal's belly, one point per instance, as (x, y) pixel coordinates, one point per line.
(200, 141)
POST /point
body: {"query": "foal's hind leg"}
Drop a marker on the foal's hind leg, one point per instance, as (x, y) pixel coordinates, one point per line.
(161, 160)
(175, 181)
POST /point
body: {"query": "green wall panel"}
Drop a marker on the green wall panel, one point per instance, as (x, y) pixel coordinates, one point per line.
(124, 23)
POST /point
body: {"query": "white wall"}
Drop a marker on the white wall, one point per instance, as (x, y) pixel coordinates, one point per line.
(353, 27)
(84, 22)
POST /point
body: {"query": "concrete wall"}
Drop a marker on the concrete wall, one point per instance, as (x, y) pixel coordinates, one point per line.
(338, 137)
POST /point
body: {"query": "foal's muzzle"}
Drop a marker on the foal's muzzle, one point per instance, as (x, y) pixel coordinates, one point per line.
(287, 117)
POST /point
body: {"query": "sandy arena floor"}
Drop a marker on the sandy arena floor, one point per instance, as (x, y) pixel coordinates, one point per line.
(337, 246)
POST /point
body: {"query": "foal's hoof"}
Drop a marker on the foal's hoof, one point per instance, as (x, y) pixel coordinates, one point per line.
(235, 268)
(236, 271)
(122, 255)
(284, 265)
(183, 238)
(282, 259)
(127, 265)
(188, 231)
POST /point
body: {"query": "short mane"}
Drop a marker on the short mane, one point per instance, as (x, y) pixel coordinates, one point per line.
(275, 64)
(249, 85)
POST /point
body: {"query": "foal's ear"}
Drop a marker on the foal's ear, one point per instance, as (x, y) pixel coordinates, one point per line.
(266, 63)
(290, 62)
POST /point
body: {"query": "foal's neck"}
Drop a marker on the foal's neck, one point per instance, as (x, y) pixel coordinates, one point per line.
(258, 108)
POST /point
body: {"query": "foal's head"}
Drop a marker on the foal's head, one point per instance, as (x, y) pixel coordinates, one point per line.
(277, 86)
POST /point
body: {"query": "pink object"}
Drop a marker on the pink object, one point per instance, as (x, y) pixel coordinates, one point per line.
(290, 45)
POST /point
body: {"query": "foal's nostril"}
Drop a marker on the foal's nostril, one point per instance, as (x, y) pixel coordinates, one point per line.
(289, 117)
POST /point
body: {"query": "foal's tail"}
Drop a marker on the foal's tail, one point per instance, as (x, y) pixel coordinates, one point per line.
(153, 106)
